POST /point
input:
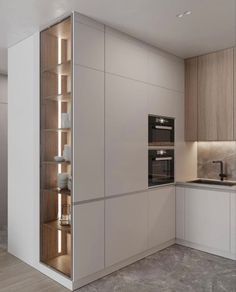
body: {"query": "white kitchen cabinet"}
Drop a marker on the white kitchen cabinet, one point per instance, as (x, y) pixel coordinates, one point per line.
(88, 239)
(125, 55)
(180, 193)
(207, 218)
(125, 227)
(165, 70)
(88, 134)
(89, 43)
(126, 124)
(233, 224)
(161, 216)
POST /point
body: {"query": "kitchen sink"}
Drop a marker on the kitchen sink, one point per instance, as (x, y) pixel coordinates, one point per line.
(213, 182)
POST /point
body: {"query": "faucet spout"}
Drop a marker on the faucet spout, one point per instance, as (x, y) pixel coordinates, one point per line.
(222, 175)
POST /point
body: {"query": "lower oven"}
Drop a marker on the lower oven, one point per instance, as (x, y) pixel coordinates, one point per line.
(160, 167)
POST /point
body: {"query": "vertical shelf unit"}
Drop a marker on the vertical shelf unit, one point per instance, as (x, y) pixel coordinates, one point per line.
(56, 146)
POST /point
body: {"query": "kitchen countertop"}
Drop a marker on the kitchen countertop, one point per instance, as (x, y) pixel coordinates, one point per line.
(206, 186)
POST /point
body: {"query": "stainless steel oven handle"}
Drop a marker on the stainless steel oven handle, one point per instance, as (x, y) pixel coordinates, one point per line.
(163, 158)
(163, 128)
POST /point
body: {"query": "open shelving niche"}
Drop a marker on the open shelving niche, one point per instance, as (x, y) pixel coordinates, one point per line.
(55, 99)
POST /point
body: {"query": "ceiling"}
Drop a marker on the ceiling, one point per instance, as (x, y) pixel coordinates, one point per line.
(210, 27)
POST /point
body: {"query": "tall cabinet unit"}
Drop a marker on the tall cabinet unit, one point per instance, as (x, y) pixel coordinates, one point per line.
(55, 147)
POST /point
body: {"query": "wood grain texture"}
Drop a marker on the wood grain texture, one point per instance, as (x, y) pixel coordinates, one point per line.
(191, 99)
(215, 96)
(18, 276)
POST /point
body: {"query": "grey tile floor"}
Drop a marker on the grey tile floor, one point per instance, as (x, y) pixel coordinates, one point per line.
(173, 269)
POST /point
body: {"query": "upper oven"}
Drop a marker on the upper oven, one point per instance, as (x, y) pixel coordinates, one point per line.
(161, 131)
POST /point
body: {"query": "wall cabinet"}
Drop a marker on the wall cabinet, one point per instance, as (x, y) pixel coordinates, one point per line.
(161, 216)
(209, 97)
(191, 99)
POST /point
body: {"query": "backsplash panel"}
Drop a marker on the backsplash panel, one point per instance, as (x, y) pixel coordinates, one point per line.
(209, 151)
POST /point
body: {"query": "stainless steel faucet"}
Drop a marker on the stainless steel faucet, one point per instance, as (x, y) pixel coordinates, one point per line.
(222, 175)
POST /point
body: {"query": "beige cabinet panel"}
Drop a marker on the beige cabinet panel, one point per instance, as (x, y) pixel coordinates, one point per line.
(207, 218)
(88, 239)
(125, 227)
(125, 55)
(215, 96)
(88, 134)
(234, 93)
(89, 46)
(126, 125)
(191, 99)
(179, 211)
(161, 216)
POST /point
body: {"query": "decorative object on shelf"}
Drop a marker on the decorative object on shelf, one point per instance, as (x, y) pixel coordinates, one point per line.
(67, 152)
(62, 180)
(65, 219)
(65, 120)
(69, 183)
(59, 158)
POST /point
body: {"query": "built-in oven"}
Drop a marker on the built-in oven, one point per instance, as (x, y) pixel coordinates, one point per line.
(161, 131)
(160, 167)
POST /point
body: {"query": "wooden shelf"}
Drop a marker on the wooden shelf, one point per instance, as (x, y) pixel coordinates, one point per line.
(61, 263)
(57, 130)
(56, 225)
(56, 163)
(62, 69)
(59, 191)
(66, 97)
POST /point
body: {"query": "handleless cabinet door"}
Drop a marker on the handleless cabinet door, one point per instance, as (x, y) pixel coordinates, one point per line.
(235, 93)
(125, 227)
(126, 129)
(207, 218)
(215, 96)
(161, 216)
(88, 227)
(191, 99)
(88, 134)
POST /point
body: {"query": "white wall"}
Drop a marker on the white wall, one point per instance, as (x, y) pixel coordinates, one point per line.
(3, 152)
(23, 150)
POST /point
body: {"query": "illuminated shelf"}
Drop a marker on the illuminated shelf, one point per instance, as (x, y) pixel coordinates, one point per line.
(56, 225)
(56, 163)
(59, 191)
(66, 97)
(60, 69)
(57, 130)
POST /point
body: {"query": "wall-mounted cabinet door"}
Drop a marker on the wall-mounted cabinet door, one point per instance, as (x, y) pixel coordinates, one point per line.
(215, 96)
(191, 99)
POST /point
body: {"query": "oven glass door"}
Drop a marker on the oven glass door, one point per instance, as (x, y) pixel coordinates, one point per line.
(161, 170)
(161, 134)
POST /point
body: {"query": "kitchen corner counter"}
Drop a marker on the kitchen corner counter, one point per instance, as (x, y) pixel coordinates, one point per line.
(190, 184)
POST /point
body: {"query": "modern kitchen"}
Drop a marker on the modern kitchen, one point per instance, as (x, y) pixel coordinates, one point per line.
(128, 148)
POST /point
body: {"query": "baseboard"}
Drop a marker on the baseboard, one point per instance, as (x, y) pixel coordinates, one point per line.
(86, 280)
(207, 249)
